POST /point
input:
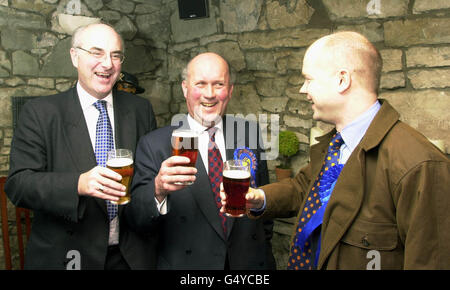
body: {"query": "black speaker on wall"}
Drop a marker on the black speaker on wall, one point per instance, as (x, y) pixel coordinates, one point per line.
(192, 9)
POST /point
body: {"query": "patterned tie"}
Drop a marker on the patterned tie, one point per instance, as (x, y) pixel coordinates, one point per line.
(215, 173)
(311, 218)
(103, 143)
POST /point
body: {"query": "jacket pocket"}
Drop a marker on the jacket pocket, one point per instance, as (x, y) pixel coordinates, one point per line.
(372, 236)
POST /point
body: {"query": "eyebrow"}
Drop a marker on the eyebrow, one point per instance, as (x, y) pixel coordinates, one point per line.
(98, 48)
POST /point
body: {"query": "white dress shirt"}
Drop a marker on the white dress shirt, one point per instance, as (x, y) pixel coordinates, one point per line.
(91, 115)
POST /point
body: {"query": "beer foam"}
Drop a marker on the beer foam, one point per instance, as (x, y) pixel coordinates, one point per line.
(236, 174)
(119, 162)
(184, 134)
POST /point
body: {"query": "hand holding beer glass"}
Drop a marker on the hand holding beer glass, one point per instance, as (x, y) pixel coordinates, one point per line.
(236, 181)
(185, 143)
(121, 161)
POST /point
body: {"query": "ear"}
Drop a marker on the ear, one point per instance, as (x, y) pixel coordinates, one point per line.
(184, 88)
(230, 92)
(345, 80)
(74, 57)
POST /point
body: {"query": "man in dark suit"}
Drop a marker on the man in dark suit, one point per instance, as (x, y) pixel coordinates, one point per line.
(193, 234)
(54, 164)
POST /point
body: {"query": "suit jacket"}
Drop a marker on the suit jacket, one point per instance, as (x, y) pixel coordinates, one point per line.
(50, 149)
(389, 207)
(191, 235)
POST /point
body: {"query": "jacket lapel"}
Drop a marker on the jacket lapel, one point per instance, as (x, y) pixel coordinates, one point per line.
(77, 134)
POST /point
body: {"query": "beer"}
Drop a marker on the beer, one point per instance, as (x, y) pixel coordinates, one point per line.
(185, 143)
(236, 184)
(121, 161)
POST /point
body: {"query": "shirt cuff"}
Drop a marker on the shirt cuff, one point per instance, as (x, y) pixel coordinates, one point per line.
(162, 207)
(259, 211)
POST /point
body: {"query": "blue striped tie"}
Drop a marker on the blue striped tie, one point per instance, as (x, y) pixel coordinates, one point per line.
(104, 142)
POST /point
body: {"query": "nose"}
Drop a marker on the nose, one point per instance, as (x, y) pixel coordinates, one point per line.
(303, 88)
(107, 61)
(209, 91)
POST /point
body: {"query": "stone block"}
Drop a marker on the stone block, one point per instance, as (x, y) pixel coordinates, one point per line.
(425, 110)
(288, 14)
(24, 64)
(392, 59)
(428, 56)
(239, 16)
(392, 80)
(435, 78)
(421, 6)
(296, 122)
(417, 31)
(18, 39)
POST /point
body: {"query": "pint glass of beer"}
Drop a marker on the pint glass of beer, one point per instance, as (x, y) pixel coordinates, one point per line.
(236, 181)
(185, 143)
(121, 161)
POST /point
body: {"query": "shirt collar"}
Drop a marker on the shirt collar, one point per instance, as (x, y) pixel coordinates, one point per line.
(196, 126)
(354, 132)
(87, 100)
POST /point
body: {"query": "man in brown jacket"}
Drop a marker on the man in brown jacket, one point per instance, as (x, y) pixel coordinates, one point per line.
(389, 206)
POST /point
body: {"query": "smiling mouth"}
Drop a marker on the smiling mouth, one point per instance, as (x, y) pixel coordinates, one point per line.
(208, 105)
(103, 75)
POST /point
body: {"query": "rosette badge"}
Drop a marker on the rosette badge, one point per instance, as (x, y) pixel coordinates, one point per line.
(247, 157)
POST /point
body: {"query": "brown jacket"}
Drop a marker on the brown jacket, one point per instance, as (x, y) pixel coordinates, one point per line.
(392, 196)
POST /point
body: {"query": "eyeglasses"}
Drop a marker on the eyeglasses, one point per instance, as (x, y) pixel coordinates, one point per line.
(101, 54)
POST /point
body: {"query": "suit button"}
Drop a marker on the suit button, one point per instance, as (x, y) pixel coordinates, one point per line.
(188, 252)
(254, 237)
(183, 219)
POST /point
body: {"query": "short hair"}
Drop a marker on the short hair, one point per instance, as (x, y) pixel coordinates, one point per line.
(231, 72)
(76, 36)
(364, 55)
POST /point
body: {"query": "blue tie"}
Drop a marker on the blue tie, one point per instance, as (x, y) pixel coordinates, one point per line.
(104, 142)
(301, 255)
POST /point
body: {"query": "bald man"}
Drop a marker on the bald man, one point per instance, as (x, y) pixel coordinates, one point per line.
(192, 233)
(56, 167)
(376, 193)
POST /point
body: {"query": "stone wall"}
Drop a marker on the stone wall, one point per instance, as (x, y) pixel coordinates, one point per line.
(264, 41)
